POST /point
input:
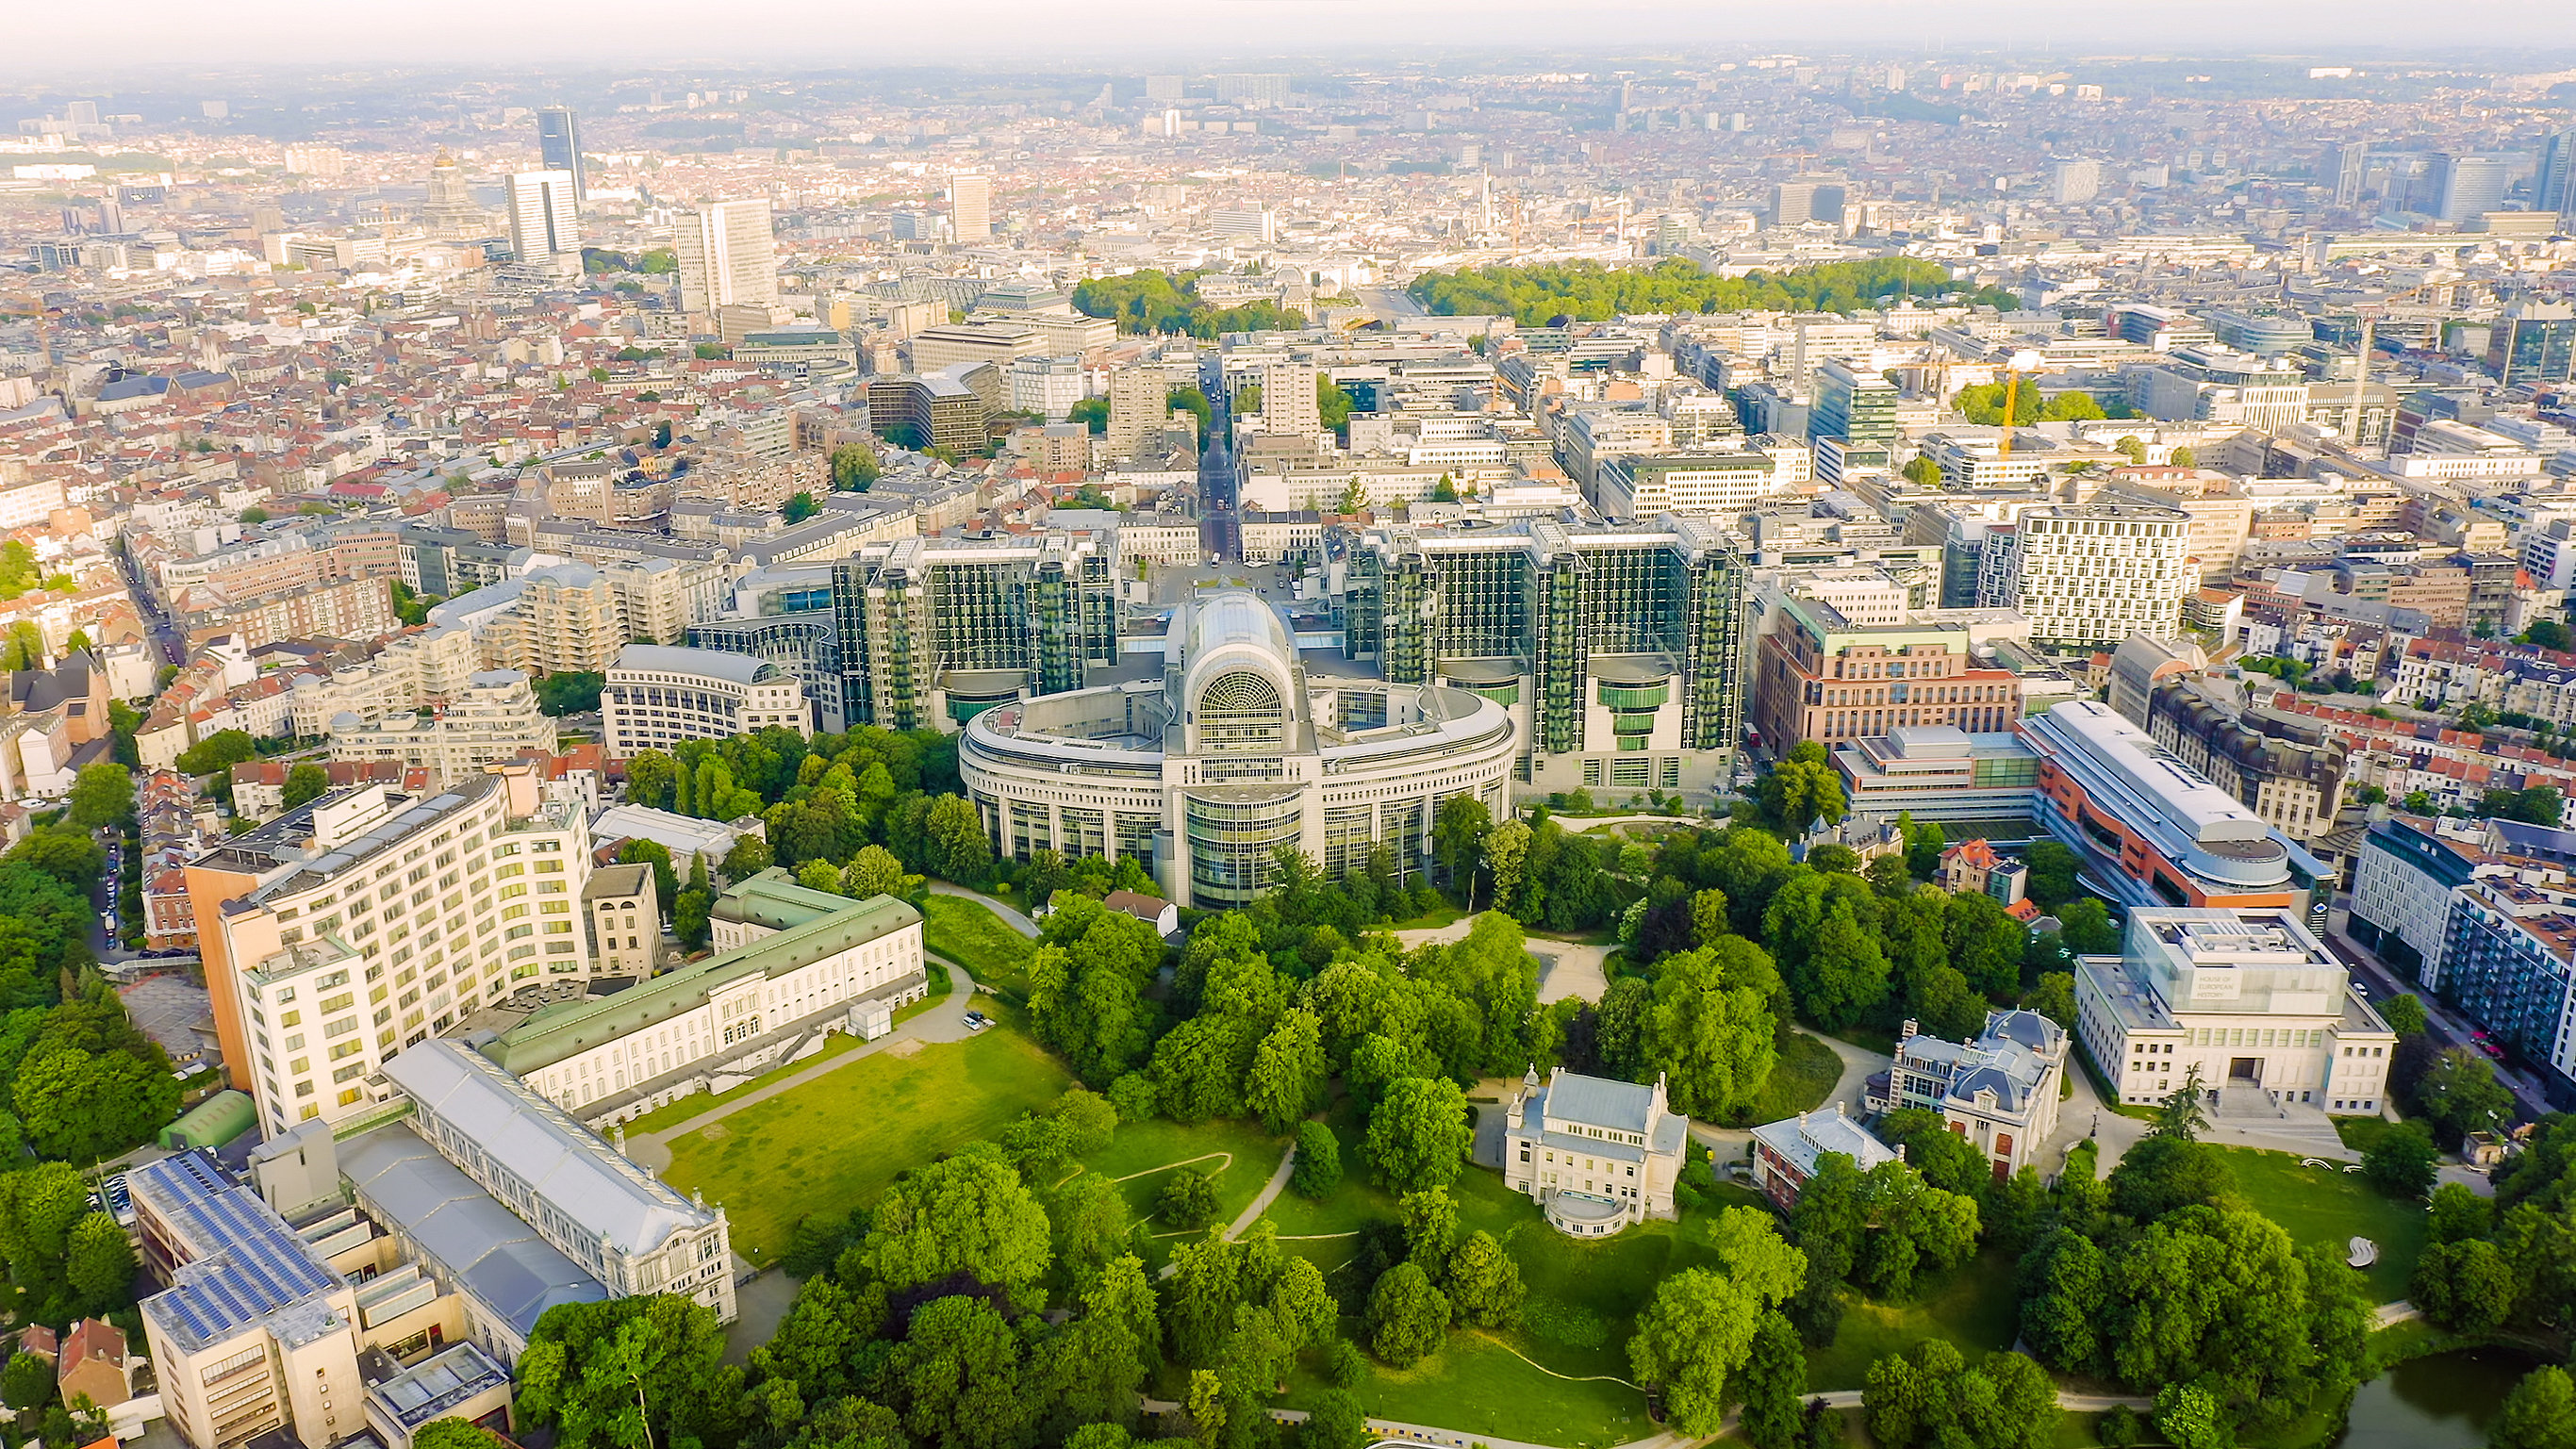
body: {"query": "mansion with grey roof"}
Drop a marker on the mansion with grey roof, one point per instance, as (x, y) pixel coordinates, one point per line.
(1597, 1156)
(2000, 1091)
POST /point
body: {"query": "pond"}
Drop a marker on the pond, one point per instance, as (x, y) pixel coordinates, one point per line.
(2443, 1401)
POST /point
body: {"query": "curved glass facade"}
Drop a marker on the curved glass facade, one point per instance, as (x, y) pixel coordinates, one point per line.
(1232, 840)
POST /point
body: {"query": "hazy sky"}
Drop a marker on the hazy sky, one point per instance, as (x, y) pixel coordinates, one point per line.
(41, 35)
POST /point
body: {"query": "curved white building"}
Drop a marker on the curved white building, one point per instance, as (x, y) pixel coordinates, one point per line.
(1234, 752)
(657, 695)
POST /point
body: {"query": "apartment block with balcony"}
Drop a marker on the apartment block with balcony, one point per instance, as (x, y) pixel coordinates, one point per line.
(657, 696)
(493, 718)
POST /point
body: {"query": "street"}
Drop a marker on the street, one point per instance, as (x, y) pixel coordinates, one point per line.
(1219, 482)
(2446, 1029)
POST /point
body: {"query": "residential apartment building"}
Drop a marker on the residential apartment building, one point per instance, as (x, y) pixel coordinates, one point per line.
(2509, 963)
(1786, 1152)
(364, 922)
(2286, 768)
(943, 408)
(2248, 996)
(1819, 677)
(625, 920)
(657, 696)
(2092, 575)
(493, 718)
(420, 667)
(1999, 1092)
(1139, 401)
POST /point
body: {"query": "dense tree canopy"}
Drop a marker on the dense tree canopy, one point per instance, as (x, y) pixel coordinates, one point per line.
(1589, 292)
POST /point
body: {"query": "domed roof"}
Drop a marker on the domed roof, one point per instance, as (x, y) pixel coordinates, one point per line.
(1235, 616)
(1231, 632)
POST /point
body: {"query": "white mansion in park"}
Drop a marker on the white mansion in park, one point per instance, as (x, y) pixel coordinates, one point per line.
(1596, 1155)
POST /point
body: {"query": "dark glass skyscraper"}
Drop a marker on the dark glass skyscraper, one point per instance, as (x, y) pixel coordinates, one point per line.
(559, 141)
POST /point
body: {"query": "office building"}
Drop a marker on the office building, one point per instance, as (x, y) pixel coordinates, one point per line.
(2072, 183)
(2089, 576)
(362, 922)
(2259, 1005)
(1856, 407)
(559, 147)
(1159, 88)
(545, 223)
(1596, 1155)
(2533, 344)
(493, 718)
(1722, 485)
(1252, 90)
(941, 409)
(2554, 188)
(2345, 166)
(2403, 880)
(970, 207)
(931, 631)
(2148, 830)
(1236, 752)
(791, 967)
(1244, 223)
(657, 696)
(726, 257)
(1615, 649)
(1939, 772)
(623, 1226)
(1818, 676)
(1998, 1092)
(2286, 768)
(2467, 187)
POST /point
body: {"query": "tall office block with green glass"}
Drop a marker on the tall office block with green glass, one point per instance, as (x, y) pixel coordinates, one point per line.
(932, 631)
(1618, 649)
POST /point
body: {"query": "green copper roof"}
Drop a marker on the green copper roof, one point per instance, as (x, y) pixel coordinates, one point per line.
(807, 926)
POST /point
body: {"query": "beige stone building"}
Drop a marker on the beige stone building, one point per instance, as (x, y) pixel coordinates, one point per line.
(495, 717)
(625, 920)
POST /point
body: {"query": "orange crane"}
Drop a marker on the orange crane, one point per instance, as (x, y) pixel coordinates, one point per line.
(2369, 312)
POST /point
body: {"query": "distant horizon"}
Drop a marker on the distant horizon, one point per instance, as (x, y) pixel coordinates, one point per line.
(2515, 36)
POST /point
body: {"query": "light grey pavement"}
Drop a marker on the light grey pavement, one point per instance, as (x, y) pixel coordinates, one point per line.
(941, 1023)
(1019, 919)
(761, 1305)
(1251, 1214)
(1725, 1144)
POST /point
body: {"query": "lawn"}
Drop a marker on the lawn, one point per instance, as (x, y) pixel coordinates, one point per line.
(1974, 1309)
(2331, 1206)
(969, 934)
(836, 1142)
(664, 1118)
(1476, 1385)
(2362, 1133)
(1238, 1156)
(1803, 1079)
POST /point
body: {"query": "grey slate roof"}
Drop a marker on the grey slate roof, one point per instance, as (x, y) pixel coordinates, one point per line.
(529, 1138)
(477, 1244)
(1597, 1102)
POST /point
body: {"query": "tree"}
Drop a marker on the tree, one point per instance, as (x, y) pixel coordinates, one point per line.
(2184, 458)
(1334, 1421)
(1484, 1283)
(1419, 1134)
(2466, 1287)
(2457, 1214)
(875, 871)
(1458, 831)
(749, 857)
(1289, 1072)
(2164, 1172)
(2085, 928)
(102, 795)
(216, 752)
(2401, 1163)
(27, 1382)
(855, 468)
(799, 507)
(1187, 1201)
(666, 880)
(99, 1264)
(1922, 471)
(1407, 1316)
(1700, 1326)
(1318, 1169)
(956, 846)
(2458, 1094)
(1844, 975)
(1946, 1159)
(1773, 1381)
(306, 782)
(2182, 1114)
(963, 1369)
(2053, 997)
(605, 1375)
(1802, 789)
(2189, 1417)
(2540, 1413)
(969, 1213)
(2052, 873)
(651, 777)
(572, 691)
(1710, 1030)
(2404, 1014)
(81, 1106)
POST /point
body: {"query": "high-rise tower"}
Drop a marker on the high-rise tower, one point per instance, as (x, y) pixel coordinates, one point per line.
(726, 256)
(545, 222)
(559, 146)
(970, 206)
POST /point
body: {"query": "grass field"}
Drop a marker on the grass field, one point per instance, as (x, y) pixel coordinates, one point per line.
(1238, 1156)
(2331, 1206)
(836, 1142)
(1974, 1309)
(662, 1119)
(1801, 1082)
(972, 936)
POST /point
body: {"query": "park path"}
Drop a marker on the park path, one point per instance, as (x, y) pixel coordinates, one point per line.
(944, 1023)
(1018, 919)
(1565, 968)
(1726, 1144)
(1243, 1220)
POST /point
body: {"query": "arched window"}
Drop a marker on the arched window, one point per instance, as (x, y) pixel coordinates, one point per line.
(1240, 712)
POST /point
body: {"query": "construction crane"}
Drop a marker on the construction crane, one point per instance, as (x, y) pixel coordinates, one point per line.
(2019, 363)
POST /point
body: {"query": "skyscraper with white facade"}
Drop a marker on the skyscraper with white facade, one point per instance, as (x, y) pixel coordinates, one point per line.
(545, 222)
(726, 257)
(970, 206)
